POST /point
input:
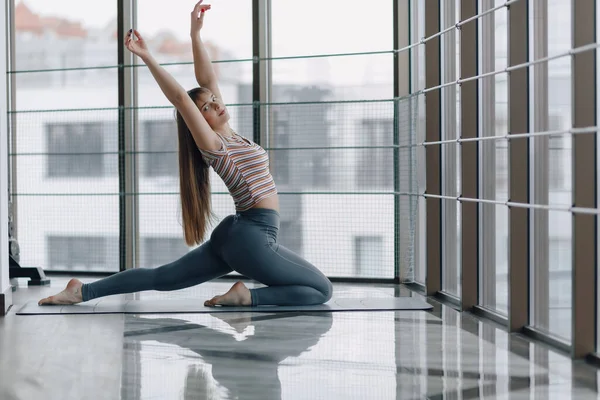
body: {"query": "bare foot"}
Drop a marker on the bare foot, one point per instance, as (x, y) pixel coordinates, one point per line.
(238, 295)
(70, 295)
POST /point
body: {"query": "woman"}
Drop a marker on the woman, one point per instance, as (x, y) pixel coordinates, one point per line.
(245, 242)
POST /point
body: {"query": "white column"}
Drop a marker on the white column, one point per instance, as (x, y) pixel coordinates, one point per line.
(5, 289)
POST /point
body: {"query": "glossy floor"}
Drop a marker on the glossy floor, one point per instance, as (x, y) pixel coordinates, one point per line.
(343, 355)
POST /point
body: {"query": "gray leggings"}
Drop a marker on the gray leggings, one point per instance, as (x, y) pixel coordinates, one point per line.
(245, 242)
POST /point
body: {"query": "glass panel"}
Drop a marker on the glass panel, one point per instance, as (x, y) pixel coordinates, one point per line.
(364, 175)
(167, 31)
(418, 83)
(339, 78)
(66, 188)
(292, 38)
(65, 34)
(501, 128)
(554, 306)
(450, 44)
(332, 218)
(494, 158)
(334, 79)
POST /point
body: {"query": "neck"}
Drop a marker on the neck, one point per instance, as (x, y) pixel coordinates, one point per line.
(224, 130)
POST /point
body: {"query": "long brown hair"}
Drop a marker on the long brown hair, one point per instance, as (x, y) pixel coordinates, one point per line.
(194, 181)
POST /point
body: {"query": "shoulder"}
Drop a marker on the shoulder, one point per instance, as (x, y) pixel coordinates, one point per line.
(219, 150)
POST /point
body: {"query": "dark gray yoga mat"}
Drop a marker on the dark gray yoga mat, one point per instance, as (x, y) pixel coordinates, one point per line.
(180, 306)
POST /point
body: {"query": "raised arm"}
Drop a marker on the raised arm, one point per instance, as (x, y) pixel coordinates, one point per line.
(203, 134)
(203, 69)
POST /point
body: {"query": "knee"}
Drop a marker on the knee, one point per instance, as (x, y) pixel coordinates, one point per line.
(327, 291)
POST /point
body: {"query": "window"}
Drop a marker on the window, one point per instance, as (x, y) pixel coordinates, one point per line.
(82, 253)
(321, 168)
(375, 167)
(159, 251)
(281, 130)
(368, 250)
(159, 146)
(85, 142)
(290, 235)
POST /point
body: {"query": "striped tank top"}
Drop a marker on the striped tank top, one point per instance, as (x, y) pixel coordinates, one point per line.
(244, 168)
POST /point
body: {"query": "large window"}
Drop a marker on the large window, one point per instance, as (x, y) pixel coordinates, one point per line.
(68, 126)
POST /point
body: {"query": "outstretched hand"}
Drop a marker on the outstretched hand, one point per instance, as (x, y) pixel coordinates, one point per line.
(198, 17)
(136, 44)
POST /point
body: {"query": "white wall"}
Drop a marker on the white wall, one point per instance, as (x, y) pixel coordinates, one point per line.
(4, 279)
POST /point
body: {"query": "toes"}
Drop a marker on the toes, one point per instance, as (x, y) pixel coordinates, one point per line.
(212, 302)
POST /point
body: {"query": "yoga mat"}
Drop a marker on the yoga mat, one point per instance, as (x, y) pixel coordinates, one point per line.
(181, 306)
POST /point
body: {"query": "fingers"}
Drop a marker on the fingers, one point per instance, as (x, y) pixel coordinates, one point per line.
(137, 34)
(200, 8)
(197, 8)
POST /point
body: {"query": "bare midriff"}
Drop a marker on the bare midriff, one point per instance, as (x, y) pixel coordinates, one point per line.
(271, 202)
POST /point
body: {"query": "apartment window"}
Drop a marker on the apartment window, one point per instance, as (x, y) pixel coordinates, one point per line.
(290, 235)
(281, 163)
(321, 168)
(79, 253)
(75, 149)
(159, 147)
(159, 251)
(375, 167)
(368, 251)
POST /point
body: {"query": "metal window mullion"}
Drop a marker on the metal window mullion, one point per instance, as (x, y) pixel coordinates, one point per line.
(262, 76)
(416, 85)
(449, 207)
(540, 174)
(12, 118)
(487, 159)
(5, 287)
(518, 157)
(433, 153)
(584, 181)
(127, 116)
(469, 157)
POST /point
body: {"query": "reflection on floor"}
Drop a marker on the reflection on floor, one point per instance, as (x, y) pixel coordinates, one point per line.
(343, 355)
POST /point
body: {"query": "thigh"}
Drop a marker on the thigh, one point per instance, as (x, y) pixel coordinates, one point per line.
(261, 258)
(199, 265)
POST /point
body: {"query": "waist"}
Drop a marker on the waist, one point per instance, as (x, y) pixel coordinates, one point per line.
(254, 212)
(265, 217)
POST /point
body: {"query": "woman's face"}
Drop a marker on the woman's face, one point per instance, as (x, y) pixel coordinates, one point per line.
(213, 110)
